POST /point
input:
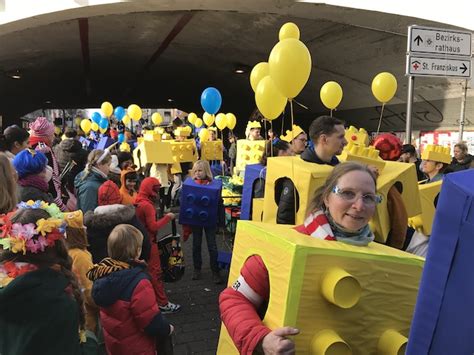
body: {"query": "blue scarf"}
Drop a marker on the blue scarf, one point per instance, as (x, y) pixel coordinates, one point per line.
(361, 237)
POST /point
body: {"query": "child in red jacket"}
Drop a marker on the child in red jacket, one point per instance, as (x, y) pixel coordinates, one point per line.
(129, 312)
(148, 194)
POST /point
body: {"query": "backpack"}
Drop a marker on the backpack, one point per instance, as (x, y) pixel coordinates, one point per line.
(171, 255)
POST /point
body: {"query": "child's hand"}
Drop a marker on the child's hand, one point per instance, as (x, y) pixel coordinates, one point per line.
(171, 215)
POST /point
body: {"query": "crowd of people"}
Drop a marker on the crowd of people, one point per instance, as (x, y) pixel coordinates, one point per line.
(79, 230)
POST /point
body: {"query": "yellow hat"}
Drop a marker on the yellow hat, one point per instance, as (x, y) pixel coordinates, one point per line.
(253, 124)
(437, 153)
(290, 135)
(74, 219)
(182, 131)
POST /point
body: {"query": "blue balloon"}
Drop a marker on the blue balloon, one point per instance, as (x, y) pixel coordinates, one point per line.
(119, 113)
(121, 138)
(211, 100)
(96, 117)
(104, 123)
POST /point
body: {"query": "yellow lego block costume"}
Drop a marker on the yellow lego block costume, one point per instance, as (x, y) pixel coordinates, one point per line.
(150, 135)
(248, 152)
(211, 150)
(344, 299)
(183, 151)
(150, 151)
(424, 221)
(307, 177)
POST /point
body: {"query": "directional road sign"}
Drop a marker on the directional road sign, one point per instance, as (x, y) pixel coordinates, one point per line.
(446, 67)
(443, 42)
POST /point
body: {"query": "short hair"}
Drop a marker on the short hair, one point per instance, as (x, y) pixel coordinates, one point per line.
(323, 125)
(409, 148)
(70, 132)
(462, 146)
(124, 242)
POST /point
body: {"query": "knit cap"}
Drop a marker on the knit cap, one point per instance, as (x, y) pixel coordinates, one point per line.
(29, 162)
(109, 194)
(41, 127)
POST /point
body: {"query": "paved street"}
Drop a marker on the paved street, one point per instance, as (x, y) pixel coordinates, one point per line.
(197, 325)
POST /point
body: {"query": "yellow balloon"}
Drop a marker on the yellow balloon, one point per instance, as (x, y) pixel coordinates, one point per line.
(258, 72)
(78, 121)
(231, 120)
(192, 118)
(331, 94)
(135, 112)
(208, 119)
(221, 121)
(94, 126)
(126, 119)
(102, 130)
(198, 122)
(384, 87)
(86, 125)
(107, 109)
(204, 134)
(269, 100)
(156, 118)
(289, 30)
(290, 66)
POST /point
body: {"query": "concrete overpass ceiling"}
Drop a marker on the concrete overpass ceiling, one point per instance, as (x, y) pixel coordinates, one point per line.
(149, 51)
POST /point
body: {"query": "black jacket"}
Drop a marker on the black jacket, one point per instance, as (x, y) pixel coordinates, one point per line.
(66, 151)
(310, 156)
(459, 166)
(100, 223)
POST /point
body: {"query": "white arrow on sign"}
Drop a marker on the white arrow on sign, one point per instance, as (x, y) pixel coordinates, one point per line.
(445, 67)
(429, 40)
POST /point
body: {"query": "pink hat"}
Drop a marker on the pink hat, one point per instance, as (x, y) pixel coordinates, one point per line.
(41, 127)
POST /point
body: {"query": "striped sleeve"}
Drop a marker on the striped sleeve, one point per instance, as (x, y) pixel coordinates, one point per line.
(317, 226)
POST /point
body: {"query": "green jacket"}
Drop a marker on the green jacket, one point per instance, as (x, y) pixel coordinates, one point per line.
(87, 190)
(39, 315)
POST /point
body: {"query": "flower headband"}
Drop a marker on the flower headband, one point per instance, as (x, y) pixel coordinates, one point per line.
(31, 237)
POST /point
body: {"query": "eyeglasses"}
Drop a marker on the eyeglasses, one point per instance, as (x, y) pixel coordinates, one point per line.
(369, 200)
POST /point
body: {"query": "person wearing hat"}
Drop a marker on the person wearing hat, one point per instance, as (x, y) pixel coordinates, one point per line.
(34, 173)
(41, 139)
(67, 151)
(109, 213)
(41, 302)
(76, 242)
(297, 139)
(252, 131)
(128, 188)
(409, 156)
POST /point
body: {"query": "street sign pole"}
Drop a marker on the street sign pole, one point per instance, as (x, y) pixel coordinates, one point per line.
(463, 111)
(411, 84)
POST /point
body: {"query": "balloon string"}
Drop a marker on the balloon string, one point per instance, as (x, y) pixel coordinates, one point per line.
(300, 104)
(292, 160)
(265, 129)
(330, 113)
(283, 121)
(222, 142)
(380, 119)
(271, 140)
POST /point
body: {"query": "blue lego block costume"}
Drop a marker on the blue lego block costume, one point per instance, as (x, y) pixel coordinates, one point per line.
(442, 322)
(105, 142)
(200, 203)
(252, 173)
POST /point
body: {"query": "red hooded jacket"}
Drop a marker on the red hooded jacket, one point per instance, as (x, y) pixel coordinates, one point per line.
(145, 207)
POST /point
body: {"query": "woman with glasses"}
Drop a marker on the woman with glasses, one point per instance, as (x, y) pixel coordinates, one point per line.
(340, 211)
